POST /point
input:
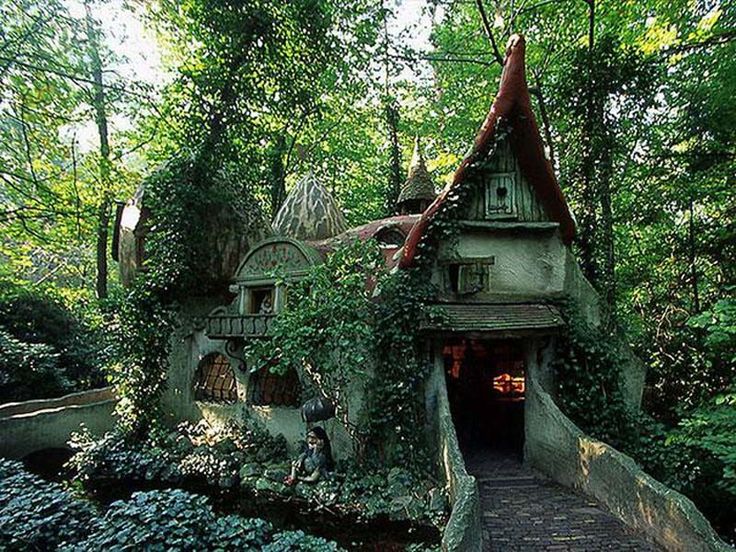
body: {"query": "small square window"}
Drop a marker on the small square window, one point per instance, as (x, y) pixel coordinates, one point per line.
(261, 301)
(468, 278)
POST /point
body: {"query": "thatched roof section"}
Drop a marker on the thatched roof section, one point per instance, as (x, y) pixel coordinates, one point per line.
(309, 212)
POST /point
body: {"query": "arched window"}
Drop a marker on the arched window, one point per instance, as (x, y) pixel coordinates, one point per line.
(390, 237)
(215, 380)
(269, 389)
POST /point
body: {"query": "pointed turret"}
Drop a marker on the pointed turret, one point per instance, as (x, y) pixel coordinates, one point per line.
(309, 212)
(418, 190)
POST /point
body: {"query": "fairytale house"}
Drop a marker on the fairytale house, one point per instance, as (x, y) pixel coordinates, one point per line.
(495, 245)
(500, 273)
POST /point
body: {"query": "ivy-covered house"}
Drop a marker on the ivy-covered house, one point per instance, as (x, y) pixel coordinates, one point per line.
(494, 247)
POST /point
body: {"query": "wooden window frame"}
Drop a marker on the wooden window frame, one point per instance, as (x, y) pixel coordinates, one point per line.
(266, 388)
(494, 209)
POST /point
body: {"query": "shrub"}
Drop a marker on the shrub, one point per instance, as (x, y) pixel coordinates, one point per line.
(29, 370)
(191, 452)
(42, 337)
(38, 515)
(176, 520)
(160, 520)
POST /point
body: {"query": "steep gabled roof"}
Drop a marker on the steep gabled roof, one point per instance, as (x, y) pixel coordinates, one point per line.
(513, 106)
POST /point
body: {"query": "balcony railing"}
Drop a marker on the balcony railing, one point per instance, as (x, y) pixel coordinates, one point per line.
(225, 326)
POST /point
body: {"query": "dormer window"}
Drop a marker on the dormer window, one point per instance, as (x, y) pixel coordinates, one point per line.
(500, 196)
(390, 238)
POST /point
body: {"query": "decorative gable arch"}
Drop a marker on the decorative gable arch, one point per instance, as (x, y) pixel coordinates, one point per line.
(290, 256)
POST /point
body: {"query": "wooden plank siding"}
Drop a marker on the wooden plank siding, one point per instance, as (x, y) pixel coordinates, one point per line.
(527, 206)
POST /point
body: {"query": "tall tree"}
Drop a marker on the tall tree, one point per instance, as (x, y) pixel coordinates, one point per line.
(99, 103)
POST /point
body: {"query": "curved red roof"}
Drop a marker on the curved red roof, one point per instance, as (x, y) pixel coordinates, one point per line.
(513, 105)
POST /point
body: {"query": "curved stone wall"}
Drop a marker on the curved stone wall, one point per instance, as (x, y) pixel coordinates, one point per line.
(34, 425)
(463, 531)
(558, 448)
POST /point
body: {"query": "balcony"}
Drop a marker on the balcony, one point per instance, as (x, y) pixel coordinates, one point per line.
(228, 326)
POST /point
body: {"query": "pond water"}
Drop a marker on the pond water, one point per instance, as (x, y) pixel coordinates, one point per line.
(287, 513)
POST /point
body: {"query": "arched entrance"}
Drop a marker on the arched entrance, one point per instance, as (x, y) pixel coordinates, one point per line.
(486, 385)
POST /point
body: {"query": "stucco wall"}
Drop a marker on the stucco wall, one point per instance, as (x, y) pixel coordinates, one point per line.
(558, 448)
(189, 346)
(525, 262)
(52, 422)
(463, 531)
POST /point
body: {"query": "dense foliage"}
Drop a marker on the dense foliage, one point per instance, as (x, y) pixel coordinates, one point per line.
(251, 464)
(352, 330)
(698, 457)
(38, 515)
(46, 350)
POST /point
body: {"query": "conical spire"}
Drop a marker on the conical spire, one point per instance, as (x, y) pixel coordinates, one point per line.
(309, 212)
(418, 189)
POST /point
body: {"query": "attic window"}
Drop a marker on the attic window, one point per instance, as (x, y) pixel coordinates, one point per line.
(215, 380)
(270, 389)
(500, 196)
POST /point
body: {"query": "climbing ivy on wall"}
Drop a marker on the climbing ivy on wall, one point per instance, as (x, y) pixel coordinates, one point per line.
(326, 331)
(181, 196)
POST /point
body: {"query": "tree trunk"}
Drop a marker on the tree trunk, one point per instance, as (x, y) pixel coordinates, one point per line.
(99, 104)
(395, 177)
(693, 257)
(588, 218)
(607, 242)
(278, 176)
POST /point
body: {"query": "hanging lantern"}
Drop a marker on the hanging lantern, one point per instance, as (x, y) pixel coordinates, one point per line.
(317, 410)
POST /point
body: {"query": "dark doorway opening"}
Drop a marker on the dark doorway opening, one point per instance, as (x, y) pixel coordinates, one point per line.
(486, 385)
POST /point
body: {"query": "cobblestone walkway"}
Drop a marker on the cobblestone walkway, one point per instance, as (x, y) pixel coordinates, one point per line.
(521, 510)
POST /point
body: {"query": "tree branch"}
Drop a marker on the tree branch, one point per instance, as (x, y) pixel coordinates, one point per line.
(489, 31)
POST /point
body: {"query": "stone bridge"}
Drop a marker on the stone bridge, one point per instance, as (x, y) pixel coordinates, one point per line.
(32, 426)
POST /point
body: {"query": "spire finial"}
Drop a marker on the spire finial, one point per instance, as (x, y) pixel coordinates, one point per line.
(418, 190)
